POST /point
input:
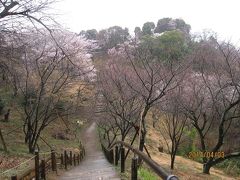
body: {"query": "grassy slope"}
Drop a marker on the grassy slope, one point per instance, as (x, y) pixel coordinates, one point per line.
(184, 168)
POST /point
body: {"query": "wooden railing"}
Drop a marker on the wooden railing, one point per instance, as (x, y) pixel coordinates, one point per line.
(119, 146)
(55, 161)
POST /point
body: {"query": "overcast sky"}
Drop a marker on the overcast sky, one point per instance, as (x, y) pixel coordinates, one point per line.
(221, 16)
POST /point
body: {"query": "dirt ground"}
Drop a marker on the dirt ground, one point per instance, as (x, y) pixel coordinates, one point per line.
(186, 169)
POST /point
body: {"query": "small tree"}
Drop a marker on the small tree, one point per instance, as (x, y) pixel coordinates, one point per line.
(121, 104)
(109, 130)
(172, 124)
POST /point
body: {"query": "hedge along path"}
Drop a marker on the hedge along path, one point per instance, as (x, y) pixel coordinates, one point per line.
(94, 166)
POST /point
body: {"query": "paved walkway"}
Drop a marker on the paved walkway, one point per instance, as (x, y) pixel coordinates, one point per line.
(94, 166)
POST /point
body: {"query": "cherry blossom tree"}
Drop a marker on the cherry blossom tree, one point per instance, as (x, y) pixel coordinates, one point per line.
(151, 80)
(211, 99)
(47, 69)
(17, 17)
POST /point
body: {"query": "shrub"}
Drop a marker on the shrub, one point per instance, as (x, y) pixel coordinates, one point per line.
(188, 144)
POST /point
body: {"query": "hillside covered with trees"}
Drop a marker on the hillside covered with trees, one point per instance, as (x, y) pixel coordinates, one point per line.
(165, 91)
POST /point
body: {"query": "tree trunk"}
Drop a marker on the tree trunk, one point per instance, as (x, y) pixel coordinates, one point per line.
(141, 146)
(143, 129)
(26, 138)
(31, 142)
(172, 161)
(31, 146)
(29, 133)
(3, 142)
(6, 116)
(206, 168)
(142, 141)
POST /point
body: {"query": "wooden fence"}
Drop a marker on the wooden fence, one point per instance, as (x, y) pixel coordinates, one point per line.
(117, 151)
(54, 162)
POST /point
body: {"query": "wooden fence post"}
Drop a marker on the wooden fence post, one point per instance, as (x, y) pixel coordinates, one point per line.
(61, 159)
(43, 170)
(53, 160)
(116, 155)
(78, 159)
(74, 160)
(81, 155)
(134, 168)
(70, 159)
(65, 159)
(122, 159)
(14, 178)
(82, 149)
(37, 165)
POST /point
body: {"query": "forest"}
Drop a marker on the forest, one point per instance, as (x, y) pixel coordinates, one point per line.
(169, 93)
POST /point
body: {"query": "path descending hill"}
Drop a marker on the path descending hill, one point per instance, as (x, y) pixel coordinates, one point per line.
(94, 166)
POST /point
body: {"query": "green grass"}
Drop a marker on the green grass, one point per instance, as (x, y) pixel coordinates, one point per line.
(145, 174)
(231, 166)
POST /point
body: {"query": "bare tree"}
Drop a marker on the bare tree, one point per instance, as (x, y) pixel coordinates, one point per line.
(151, 79)
(109, 130)
(121, 104)
(172, 123)
(14, 14)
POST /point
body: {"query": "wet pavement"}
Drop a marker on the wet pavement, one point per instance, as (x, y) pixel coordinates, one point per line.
(94, 166)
